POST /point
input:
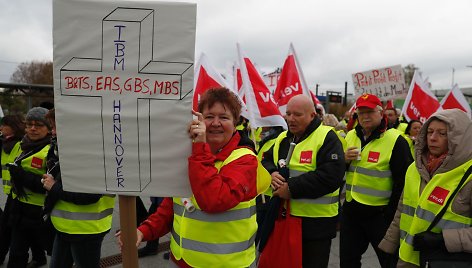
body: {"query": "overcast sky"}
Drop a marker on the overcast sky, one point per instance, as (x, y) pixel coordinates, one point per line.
(333, 39)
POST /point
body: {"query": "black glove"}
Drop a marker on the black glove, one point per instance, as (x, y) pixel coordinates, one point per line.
(16, 171)
(16, 176)
(428, 240)
(284, 172)
(21, 179)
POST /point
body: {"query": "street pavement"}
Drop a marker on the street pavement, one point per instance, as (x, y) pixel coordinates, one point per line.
(111, 253)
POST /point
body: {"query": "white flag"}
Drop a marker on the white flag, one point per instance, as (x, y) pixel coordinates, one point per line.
(455, 99)
(263, 111)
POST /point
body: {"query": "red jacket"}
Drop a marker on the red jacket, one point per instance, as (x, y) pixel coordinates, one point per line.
(214, 192)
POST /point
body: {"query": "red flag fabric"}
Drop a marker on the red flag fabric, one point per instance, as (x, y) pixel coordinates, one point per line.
(206, 77)
(238, 81)
(317, 102)
(389, 105)
(263, 111)
(455, 99)
(353, 108)
(420, 103)
(291, 81)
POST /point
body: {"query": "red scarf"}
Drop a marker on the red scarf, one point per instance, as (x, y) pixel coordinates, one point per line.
(433, 162)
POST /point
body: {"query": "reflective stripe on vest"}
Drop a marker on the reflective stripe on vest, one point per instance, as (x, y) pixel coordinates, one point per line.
(369, 180)
(36, 164)
(5, 159)
(326, 199)
(369, 191)
(223, 239)
(221, 248)
(434, 196)
(231, 215)
(93, 218)
(386, 174)
(304, 160)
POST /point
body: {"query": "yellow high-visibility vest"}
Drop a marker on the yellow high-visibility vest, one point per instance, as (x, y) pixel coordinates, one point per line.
(304, 160)
(93, 218)
(9, 158)
(216, 239)
(267, 145)
(369, 180)
(420, 210)
(36, 164)
(402, 127)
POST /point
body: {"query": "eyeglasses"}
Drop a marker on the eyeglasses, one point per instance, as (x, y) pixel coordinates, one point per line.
(367, 112)
(28, 125)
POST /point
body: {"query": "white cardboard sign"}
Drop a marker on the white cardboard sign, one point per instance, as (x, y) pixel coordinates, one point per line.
(123, 79)
(386, 83)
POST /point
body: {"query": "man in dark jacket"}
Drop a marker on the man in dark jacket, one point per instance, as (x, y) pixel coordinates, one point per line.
(377, 161)
(316, 172)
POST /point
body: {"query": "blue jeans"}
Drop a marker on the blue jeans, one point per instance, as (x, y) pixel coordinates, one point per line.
(84, 253)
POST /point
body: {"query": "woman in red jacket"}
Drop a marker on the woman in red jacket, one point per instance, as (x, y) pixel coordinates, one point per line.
(223, 177)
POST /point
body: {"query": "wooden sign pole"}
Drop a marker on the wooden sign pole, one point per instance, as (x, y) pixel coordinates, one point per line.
(129, 251)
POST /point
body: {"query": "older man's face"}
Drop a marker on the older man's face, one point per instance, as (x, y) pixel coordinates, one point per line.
(298, 117)
(369, 119)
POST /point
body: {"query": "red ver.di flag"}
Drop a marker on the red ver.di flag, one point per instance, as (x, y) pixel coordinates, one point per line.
(455, 99)
(263, 111)
(317, 102)
(206, 77)
(238, 88)
(291, 81)
(238, 81)
(420, 103)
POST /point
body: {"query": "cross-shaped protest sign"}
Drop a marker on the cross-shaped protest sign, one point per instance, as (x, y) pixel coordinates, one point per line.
(127, 80)
(123, 83)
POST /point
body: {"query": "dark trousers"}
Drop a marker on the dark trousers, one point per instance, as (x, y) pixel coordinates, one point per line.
(83, 253)
(261, 211)
(357, 231)
(22, 239)
(5, 231)
(315, 254)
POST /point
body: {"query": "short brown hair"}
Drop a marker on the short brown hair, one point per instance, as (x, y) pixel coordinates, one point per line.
(51, 115)
(16, 123)
(224, 96)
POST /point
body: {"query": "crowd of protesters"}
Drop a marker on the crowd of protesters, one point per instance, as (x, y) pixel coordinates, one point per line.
(370, 176)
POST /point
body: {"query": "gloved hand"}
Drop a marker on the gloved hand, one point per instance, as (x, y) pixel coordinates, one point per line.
(16, 171)
(284, 172)
(428, 240)
(17, 182)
